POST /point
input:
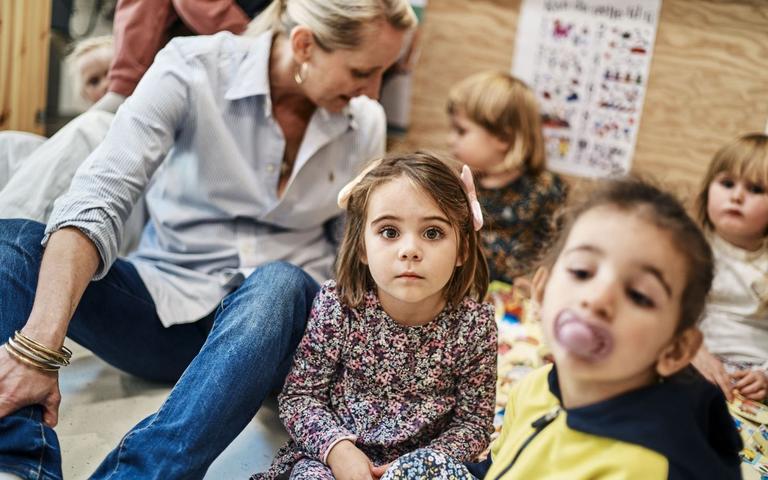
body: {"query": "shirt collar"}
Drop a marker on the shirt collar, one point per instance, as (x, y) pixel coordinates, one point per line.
(252, 77)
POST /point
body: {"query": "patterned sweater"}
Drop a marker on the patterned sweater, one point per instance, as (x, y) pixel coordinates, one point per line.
(521, 222)
(390, 388)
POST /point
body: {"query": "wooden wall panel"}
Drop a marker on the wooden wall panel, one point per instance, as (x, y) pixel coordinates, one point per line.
(24, 43)
(708, 81)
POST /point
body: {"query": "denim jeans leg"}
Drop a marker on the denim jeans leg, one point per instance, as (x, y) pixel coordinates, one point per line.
(116, 319)
(246, 356)
(28, 448)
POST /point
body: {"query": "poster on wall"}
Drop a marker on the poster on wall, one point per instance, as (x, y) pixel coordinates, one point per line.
(588, 62)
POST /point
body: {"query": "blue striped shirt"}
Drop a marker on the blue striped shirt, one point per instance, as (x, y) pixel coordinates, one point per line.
(199, 133)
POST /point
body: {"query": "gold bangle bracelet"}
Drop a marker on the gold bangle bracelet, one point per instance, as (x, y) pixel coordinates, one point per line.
(34, 355)
(21, 346)
(29, 362)
(64, 352)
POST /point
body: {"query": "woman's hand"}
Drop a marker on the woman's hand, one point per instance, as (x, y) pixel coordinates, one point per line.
(752, 384)
(348, 462)
(713, 370)
(22, 385)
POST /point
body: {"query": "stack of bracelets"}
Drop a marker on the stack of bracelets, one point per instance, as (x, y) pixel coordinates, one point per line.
(37, 355)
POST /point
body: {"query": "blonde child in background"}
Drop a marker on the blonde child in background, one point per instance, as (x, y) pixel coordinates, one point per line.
(90, 61)
(399, 352)
(619, 306)
(733, 207)
(496, 130)
(89, 64)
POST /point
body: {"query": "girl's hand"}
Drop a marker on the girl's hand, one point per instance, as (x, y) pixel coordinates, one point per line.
(379, 471)
(753, 384)
(22, 385)
(713, 370)
(348, 462)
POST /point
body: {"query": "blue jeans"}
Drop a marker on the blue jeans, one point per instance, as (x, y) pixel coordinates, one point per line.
(223, 366)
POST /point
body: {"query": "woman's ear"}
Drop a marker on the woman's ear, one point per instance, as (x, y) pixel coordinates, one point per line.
(679, 352)
(302, 42)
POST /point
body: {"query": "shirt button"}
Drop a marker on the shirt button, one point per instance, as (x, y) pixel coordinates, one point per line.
(271, 168)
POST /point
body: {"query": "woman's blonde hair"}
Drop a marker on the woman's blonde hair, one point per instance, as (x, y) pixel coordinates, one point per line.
(336, 24)
(505, 107)
(439, 180)
(745, 158)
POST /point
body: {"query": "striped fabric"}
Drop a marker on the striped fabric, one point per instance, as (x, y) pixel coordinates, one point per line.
(199, 133)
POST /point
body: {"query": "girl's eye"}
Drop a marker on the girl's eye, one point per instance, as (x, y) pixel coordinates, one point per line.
(639, 298)
(388, 233)
(579, 273)
(756, 189)
(727, 183)
(433, 233)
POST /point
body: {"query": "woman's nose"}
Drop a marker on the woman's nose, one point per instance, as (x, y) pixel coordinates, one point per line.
(372, 87)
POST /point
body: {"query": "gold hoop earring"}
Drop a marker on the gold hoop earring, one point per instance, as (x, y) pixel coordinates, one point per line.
(301, 74)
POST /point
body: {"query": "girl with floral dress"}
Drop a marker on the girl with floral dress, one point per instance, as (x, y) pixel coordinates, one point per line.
(399, 353)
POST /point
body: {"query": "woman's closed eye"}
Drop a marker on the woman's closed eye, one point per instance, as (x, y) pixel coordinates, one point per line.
(362, 74)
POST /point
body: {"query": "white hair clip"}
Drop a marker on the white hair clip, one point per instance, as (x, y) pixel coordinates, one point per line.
(469, 183)
(343, 199)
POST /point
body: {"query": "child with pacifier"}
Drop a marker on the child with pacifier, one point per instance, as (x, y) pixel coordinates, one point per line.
(399, 354)
(619, 308)
(496, 131)
(733, 207)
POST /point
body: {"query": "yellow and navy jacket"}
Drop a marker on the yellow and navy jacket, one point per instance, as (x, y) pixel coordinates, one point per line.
(677, 429)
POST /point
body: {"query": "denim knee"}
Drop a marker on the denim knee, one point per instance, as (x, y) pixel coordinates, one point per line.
(18, 235)
(20, 256)
(294, 280)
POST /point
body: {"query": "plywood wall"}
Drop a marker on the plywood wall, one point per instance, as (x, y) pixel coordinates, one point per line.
(708, 82)
(24, 40)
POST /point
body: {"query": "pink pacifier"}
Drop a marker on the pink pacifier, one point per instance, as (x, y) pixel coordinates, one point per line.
(586, 341)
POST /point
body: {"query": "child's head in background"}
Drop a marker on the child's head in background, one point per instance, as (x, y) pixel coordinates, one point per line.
(622, 299)
(90, 61)
(733, 201)
(411, 236)
(496, 127)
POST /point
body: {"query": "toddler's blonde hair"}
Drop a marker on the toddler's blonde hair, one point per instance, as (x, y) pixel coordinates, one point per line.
(745, 157)
(80, 50)
(504, 106)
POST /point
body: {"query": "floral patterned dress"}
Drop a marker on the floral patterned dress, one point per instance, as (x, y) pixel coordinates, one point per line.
(520, 223)
(392, 389)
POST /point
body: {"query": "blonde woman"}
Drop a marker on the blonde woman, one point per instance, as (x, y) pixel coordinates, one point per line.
(247, 141)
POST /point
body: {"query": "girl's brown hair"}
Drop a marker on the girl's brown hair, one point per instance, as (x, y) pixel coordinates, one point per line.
(746, 157)
(662, 209)
(442, 183)
(505, 107)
